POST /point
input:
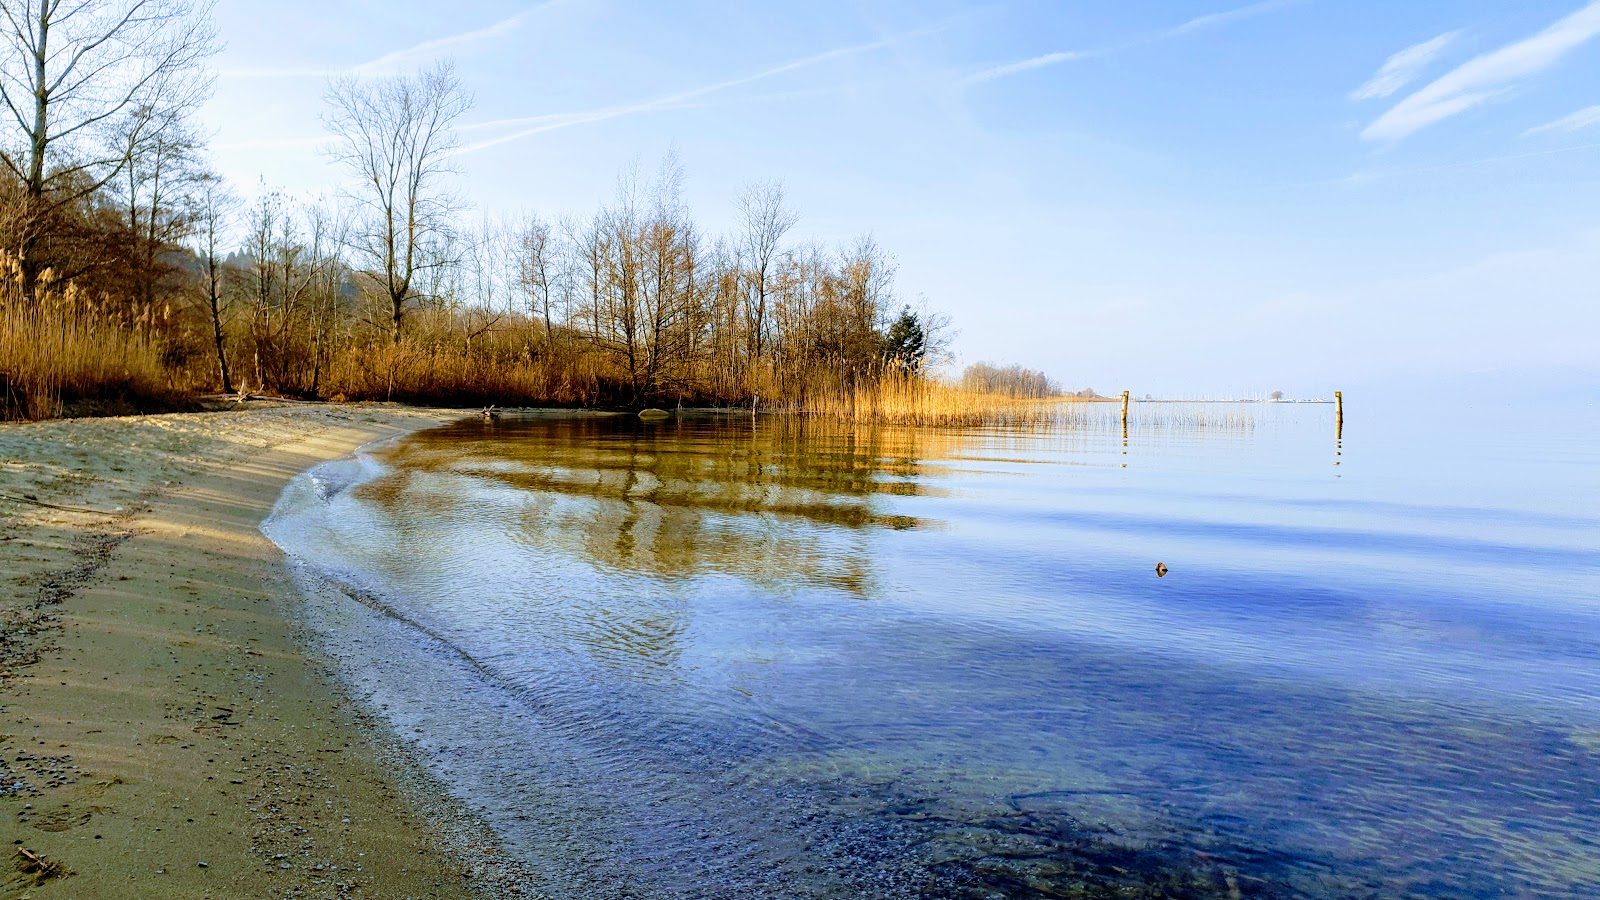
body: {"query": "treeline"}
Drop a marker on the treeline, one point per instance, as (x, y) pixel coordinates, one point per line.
(630, 304)
(1016, 382)
(133, 275)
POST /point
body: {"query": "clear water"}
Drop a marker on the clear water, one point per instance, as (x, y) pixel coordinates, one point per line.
(723, 657)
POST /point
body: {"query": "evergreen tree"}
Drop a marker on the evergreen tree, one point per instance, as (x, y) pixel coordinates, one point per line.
(906, 344)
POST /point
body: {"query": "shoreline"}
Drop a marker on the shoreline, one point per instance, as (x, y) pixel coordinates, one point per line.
(167, 729)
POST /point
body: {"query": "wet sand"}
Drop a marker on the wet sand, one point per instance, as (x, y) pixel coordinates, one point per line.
(163, 729)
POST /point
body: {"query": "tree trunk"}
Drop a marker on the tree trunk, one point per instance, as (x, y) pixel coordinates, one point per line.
(216, 326)
(28, 254)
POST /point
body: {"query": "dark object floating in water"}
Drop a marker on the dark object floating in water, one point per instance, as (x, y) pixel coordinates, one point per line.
(490, 413)
(1161, 570)
(653, 414)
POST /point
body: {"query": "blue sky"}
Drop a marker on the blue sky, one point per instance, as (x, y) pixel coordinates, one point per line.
(1173, 196)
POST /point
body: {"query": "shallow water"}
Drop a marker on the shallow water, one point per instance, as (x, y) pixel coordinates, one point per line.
(723, 657)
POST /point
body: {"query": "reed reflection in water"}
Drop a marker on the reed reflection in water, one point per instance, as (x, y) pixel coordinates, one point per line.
(675, 498)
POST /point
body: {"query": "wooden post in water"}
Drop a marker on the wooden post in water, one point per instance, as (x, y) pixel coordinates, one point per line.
(1338, 415)
(1124, 409)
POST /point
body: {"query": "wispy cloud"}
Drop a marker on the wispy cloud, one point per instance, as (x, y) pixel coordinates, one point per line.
(1587, 117)
(1486, 77)
(1199, 23)
(389, 62)
(1403, 68)
(1028, 65)
(1211, 20)
(532, 125)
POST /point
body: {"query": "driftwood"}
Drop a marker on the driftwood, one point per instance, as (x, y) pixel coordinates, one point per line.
(245, 395)
(30, 500)
(40, 868)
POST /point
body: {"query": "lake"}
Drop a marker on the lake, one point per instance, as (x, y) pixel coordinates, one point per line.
(725, 656)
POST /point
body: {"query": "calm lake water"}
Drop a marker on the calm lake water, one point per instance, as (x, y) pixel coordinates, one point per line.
(722, 657)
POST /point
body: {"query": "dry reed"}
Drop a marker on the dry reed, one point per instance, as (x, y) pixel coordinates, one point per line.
(899, 400)
(895, 400)
(63, 354)
(509, 367)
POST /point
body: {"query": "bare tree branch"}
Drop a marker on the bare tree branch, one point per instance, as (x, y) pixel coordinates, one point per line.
(66, 70)
(397, 137)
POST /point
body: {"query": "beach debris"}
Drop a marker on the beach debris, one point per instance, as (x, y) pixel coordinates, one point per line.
(1161, 570)
(42, 869)
(31, 500)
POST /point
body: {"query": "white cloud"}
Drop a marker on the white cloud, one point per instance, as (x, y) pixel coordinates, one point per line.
(1198, 23)
(1403, 68)
(1485, 77)
(1587, 117)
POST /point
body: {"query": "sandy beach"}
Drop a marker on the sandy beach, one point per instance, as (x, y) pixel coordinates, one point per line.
(163, 730)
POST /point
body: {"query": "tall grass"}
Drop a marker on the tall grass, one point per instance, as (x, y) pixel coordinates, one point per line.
(65, 355)
(503, 369)
(899, 400)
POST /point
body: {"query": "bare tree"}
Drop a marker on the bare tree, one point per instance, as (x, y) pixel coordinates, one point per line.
(766, 220)
(397, 137)
(1012, 381)
(160, 187)
(266, 218)
(844, 327)
(674, 282)
(69, 67)
(281, 278)
(646, 284)
(496, 266)
(216, 209)
(536, 252)
(326, 278)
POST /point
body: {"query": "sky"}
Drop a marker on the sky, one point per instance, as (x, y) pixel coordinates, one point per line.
(1180, 197)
